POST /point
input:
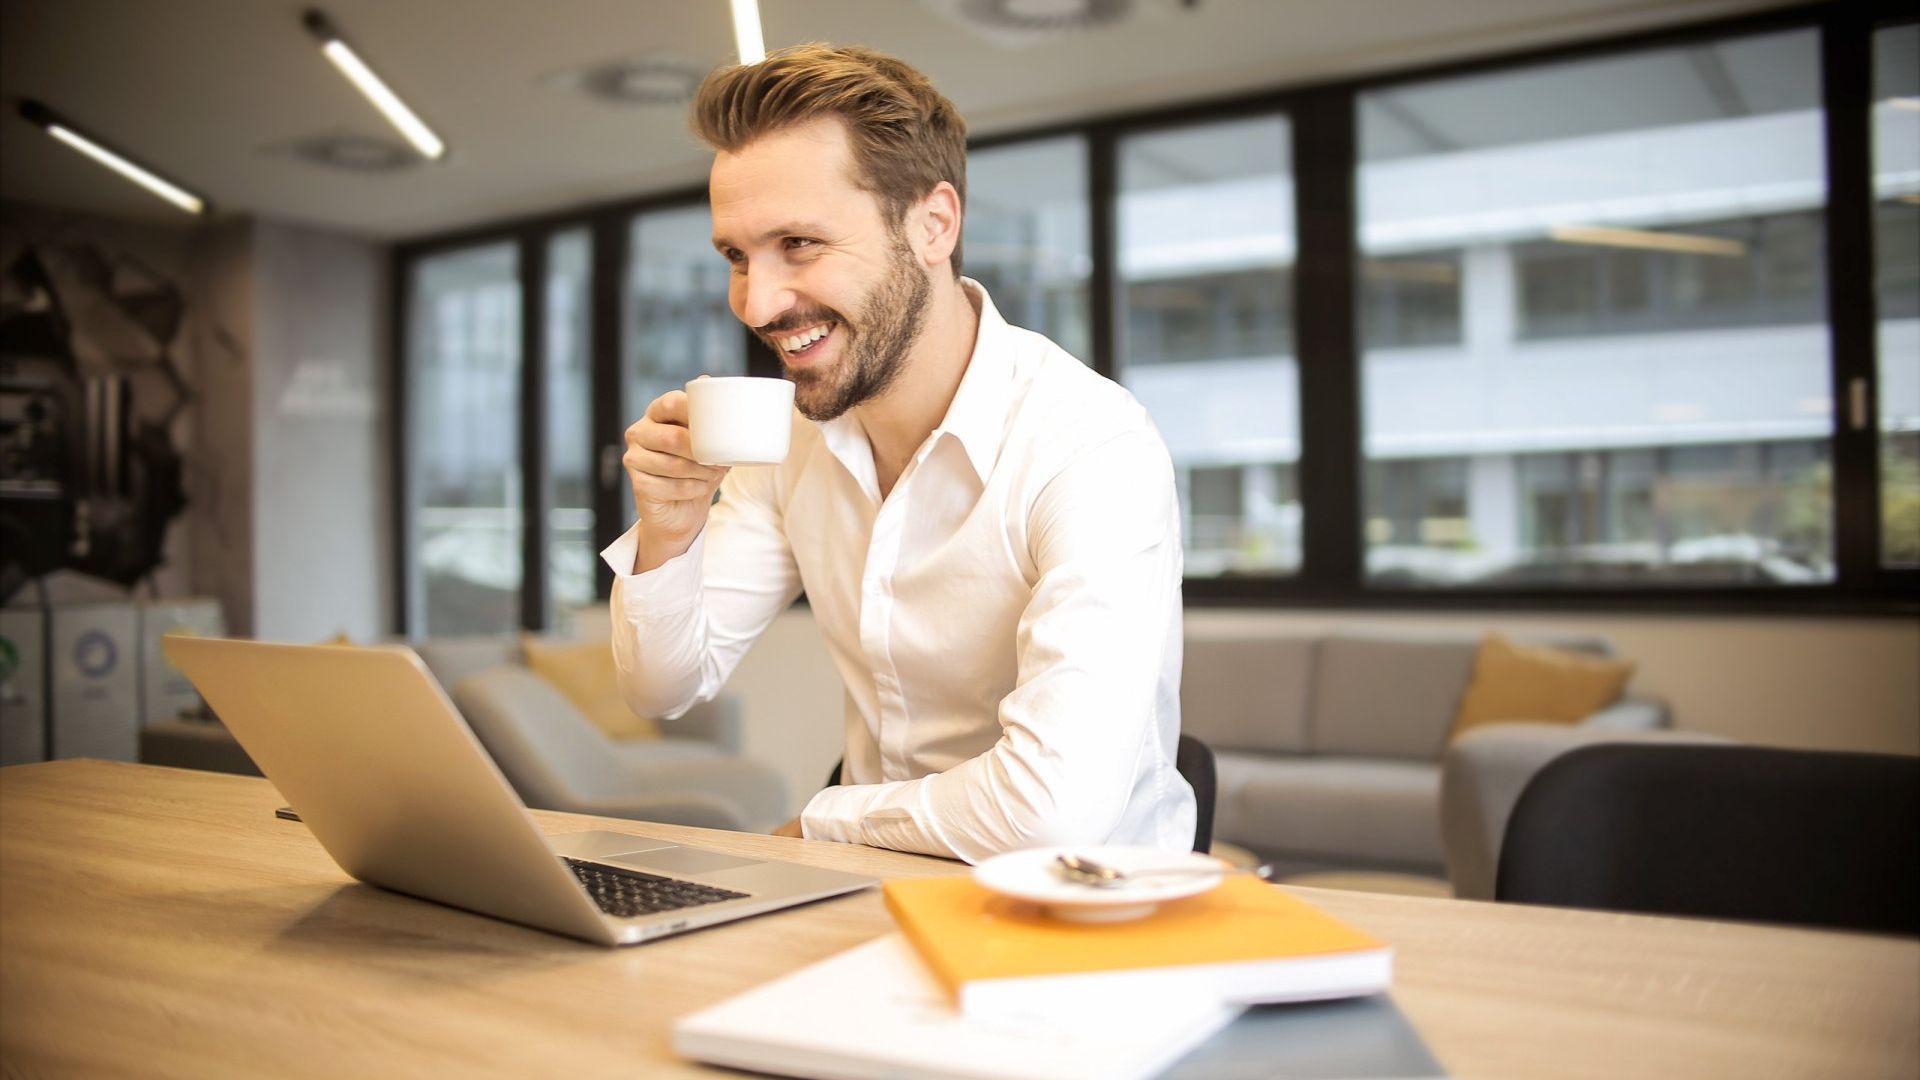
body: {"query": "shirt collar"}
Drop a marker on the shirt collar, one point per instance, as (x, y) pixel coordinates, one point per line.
(977, 415)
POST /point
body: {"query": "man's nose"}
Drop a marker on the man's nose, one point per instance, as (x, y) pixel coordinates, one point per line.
(765, 294)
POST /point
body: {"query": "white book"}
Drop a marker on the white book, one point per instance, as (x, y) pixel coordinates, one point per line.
(875, 1011)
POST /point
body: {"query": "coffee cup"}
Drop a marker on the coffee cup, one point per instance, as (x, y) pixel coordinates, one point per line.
(739, 420)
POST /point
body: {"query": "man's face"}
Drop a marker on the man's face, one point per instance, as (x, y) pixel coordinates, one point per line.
(819, 273)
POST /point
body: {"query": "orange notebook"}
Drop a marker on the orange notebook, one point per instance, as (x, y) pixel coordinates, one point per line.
(1244, 942)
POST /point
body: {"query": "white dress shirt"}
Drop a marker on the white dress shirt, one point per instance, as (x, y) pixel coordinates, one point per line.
(1007, 621)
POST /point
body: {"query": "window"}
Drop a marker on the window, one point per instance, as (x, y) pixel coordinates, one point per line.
(1027, 237)
(1206, 247)
(1896, 186)
(1632, 257)
(1759, 271)
(463, 360)
(677, 323)
(1411, 300)
(569, 375)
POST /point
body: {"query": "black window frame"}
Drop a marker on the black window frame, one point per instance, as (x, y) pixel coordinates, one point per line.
(1323, 124)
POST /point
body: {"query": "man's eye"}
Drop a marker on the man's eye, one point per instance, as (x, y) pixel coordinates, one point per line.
(796, 243)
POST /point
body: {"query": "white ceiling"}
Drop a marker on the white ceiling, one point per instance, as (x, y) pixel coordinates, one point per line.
(214, 92)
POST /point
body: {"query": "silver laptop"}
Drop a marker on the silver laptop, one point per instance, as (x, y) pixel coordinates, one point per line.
(382, 768)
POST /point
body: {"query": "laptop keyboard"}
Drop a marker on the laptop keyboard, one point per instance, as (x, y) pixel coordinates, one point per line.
(627, 893)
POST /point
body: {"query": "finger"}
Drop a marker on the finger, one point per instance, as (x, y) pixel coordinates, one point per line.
(639, 459)
(661, 438)
(669, 408)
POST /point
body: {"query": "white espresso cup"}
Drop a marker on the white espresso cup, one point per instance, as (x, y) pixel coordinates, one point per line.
(739, 420)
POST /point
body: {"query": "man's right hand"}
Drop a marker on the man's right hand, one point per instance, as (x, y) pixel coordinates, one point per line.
(671, 492)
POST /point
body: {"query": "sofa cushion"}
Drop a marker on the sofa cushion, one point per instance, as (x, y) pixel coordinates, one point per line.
(1393, 698)
(1359, 809)
(1532, 683)
(585, 673)
(1247, 693)
(663, 751)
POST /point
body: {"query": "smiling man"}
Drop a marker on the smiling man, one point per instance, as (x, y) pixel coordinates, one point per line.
(987, 531)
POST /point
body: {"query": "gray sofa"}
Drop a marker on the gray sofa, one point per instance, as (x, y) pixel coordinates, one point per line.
(693, 774)
(1329, 748)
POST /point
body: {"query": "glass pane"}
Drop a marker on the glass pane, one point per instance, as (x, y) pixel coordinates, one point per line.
(1896, 186)
(1027, 238)
(1593, 319)
(569, 370)
(678, 325)
(463, 361)
(1206, 242)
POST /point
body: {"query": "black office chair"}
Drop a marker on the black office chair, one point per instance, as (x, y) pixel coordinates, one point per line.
(1192, 759)
(1734, 832)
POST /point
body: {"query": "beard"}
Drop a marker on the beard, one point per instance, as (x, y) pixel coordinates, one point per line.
(891, 318)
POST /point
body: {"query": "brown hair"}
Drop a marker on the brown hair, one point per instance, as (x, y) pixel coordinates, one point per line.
(906, 136)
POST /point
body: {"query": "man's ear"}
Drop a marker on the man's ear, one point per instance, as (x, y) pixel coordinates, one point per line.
(939, 223)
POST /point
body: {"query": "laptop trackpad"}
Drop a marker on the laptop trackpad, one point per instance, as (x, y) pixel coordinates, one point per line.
(681, 861)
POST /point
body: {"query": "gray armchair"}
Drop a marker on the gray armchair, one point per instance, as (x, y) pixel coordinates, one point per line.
(1484, 771)
(557, 760)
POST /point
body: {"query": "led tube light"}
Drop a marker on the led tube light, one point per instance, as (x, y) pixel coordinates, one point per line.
(45, 119)
(376, 90)
(746, 31)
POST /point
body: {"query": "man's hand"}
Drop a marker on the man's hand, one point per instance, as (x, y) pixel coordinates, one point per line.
(671, 492)
(791, 828)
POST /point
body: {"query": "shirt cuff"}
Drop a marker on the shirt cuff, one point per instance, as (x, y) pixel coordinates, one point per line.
(672, 583)
(891, 815)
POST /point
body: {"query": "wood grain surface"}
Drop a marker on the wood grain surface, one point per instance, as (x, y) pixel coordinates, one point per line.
(161, 922)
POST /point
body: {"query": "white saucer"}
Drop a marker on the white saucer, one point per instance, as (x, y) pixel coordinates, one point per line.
(1031, 875)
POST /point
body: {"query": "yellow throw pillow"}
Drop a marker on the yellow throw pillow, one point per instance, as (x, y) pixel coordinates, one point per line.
(584, 673)
(1531, 683)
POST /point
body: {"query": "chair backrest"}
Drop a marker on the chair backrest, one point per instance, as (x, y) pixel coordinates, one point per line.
(1738, 832)
(1192, 760)
(1195, 763)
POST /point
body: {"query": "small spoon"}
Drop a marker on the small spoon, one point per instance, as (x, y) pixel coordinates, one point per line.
(1084, 871)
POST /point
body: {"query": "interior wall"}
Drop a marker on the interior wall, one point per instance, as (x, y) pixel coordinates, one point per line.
(322, 518)
(219, 474)
(1811, 683)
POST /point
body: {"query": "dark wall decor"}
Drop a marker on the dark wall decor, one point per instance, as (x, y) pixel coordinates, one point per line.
(89, 391)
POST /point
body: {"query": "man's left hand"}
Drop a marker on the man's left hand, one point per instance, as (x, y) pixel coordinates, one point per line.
(791, 828)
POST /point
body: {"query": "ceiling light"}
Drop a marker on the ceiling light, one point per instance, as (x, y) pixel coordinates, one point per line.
(1688, 243)
(362, 76)
(655, 79)
(53, 124)
(1911, 104)
(1046, 15)
(355, 153)
(746, 31)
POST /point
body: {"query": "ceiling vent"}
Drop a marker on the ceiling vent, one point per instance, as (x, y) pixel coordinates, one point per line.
(654, 79)
(355, 153)
(1018, 23)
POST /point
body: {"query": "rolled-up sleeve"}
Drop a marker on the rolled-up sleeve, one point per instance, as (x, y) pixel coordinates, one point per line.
(1092, 647)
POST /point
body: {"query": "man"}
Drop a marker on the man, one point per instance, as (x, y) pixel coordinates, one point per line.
(987, 531)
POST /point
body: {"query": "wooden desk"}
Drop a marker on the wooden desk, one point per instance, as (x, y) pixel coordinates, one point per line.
(164, 922)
